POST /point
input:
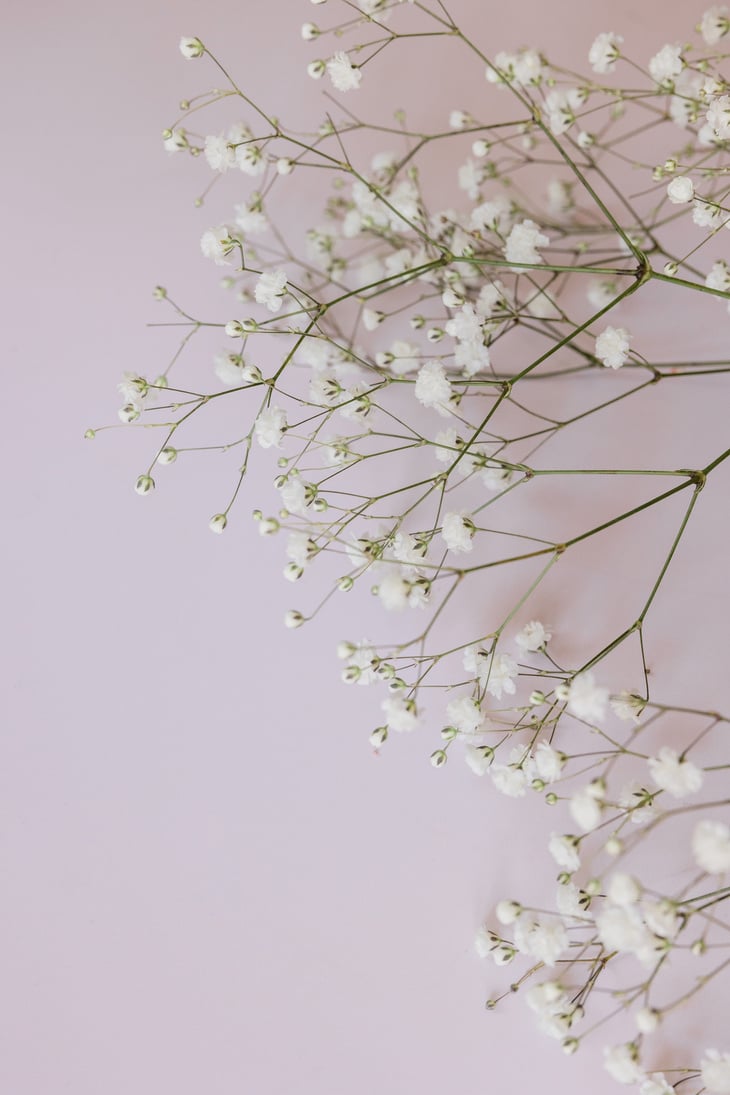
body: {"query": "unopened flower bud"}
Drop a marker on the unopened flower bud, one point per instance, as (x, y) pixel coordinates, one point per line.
(310, 31)
(379, 736)
(168, 455)
(434, 334)
(613, 846)
(448, 733)
(218, 523)
(191, 48)
(145, 484)
(570, 1046)
(90, 435)
(293, 619)
(234, 329)
(439, 758)
(480, 149)
(537, 697)
(128, 413)
(316, 69)
(345, 583)
(292, 572)
(268, 526)
(284, 166)
(698, 947)
(451, 298)
(670, 269)
(159, 292)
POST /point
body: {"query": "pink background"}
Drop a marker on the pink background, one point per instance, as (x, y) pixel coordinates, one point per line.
(211, 884)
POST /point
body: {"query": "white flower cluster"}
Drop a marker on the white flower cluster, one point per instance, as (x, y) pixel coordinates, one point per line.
(472, 326)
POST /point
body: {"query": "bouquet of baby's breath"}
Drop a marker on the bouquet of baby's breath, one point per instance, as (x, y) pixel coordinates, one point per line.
(467, 309)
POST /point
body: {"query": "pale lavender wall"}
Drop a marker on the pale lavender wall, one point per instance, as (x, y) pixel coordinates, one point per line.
(210, 884)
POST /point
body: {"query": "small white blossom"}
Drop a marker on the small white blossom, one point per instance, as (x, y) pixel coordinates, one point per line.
(510, 780)
(344, 75)
(216, 244)
(585, 809)
(662, 918)
(715, 1069)
(628, 706)
(715, 24)
(542, 937)
(533, 636)
(666, 65)
(270, 427)
(507, 912)
(502, 672)
(478, 758)
(564, 850)
(711, 846)
(522, 243)
(457, 532)
(647, 1020)
(432, 387)
(586, 700)
(218, 153)
(718, 117)
(680, 190)
(612, 347)
(656, 1084)
(484, 942)
(678, 777)
(568, 901)
(604, 52)
(270, 289)
(464, 714)
(400, 714)
(621, 1063)
(623, 890)
(707, 214)
(548, 762)
(719, 277)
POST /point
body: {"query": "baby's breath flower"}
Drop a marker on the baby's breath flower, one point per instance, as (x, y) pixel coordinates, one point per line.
(715, 24)
(522, 244)
(270, 427)
(604, 52)
(680, 190)
(270, 289)
(715, 1070)
(457, 532)
(533, 636)
(344, 75)
(145, 484)
(711, 846)
(675, 775)
(191, 48)
(612, 347)
(667, 64)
